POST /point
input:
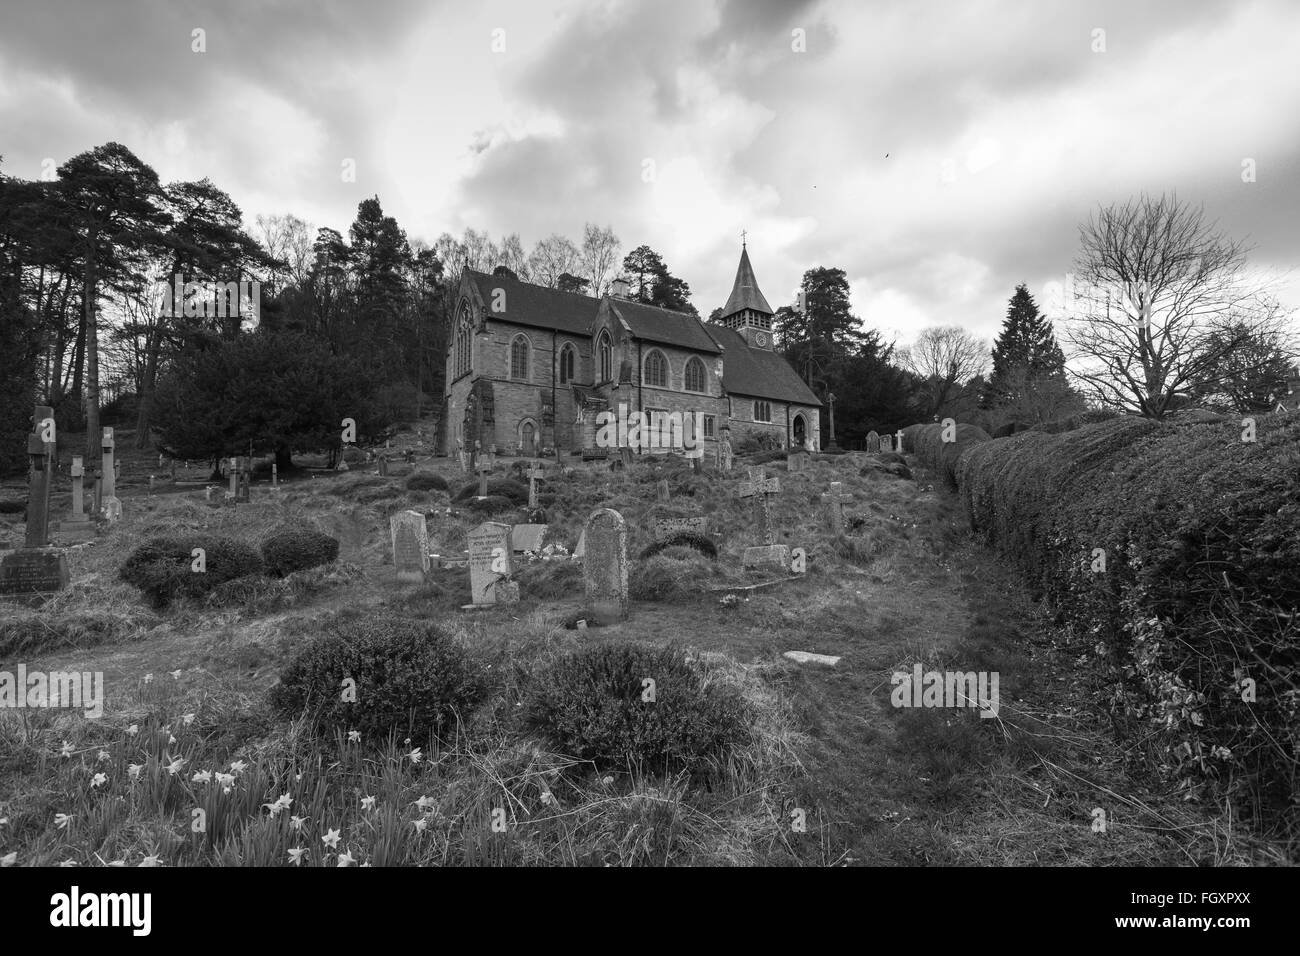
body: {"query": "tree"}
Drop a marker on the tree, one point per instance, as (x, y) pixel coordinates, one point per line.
(598, 255)
(945, 360)
(1253, 377)
(641, 266)
(551, 258)
(117, 210)
(572, 283)
(1026, 344)
(1164, 304)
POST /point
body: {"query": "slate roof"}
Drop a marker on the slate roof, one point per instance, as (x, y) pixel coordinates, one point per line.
(744, 291)
(759, 372)
(537, 306)
(664, 326)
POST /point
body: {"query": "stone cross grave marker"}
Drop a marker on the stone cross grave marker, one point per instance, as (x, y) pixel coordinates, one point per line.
(605, 571)
(835, 506)
(78, 490)
(873, 441)
(534, 474)
(899, 435)
(490, 566)
(725, 455)
(410, 545)
(34, 571)
(769, 553)
(484, 468)
(38, 494)
(112, 507)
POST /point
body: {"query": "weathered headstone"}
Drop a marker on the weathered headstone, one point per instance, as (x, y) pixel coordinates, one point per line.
(36, 570)
(233, 472)
(109, 503)
(535, 474)
(873, 441)
(797, 461)
(245, 480)
(484, 468)
(275, 477)
(725, 455)
(835, 507)
(769, 553)
(38, 491)
(580, 549)
(78, 490)
(661, 489)
(605, 568)
(527, 537)
(667, 527)
(490, 565)
(410, 545)
(383, 466)
(33, 573)
(886, 443)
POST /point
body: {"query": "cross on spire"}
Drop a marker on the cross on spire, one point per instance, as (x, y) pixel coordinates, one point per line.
(743, 234)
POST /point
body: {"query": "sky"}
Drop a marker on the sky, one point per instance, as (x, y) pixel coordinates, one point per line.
(938, 153)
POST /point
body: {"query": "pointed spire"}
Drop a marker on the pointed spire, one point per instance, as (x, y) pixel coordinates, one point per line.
(745, 293)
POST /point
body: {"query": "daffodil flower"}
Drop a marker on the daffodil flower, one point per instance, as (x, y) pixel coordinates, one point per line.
(98, 780)
(66, 750)
(238, 766)
(61, 820)
(354, 736)
(415, 756)
(149, 861)
(188, 719)
(367, 803)
(68, 863)
(9, 859)
(201, 776)
(148, 678)
(134, 770)
(297, 822)
(226, 780)
(174, 767)
(331, 839)
(101, 756)
(176, 675)
(295, 855)
(425, 802)
(171, 739)
(133, 729)
(346, 859)
(420, 825)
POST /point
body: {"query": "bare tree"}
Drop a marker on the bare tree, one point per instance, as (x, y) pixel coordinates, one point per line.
(513, 256)
(945, 359)
(551, 258)
(289, 240)
(599, 253)
(1163, 301)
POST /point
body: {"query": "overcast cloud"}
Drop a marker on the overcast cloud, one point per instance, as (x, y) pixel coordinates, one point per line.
(835, 156)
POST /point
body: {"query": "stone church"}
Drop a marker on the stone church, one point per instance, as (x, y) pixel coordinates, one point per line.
(530, 369)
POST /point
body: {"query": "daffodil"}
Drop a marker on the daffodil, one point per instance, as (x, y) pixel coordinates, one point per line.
(171, 739)
(68, 863)
(148, 678)
(134, 770)
(297, 822)
(67, 750)
(425, 802)
(295, 855)
(98, 780)
(133, 729)
(201, 776)
(415, 756)
(176, 675)
(346, 859)
(9, 859)
(282, 803)
(420, 825)
(238, 766)
(367, 803)
(227, 780)
(331, 839)
(101, 756)
(174, 767)
(354, 736)
(188, 719)
(149, 861)
(61, 820)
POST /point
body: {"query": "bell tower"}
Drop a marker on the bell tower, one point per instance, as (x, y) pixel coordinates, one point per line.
(746, 310)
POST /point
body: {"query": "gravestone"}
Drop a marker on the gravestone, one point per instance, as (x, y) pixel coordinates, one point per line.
(383, 466)
(535, 474)
(462, 456)
(886, 443)
(34, 571)
(484, 468)
(410, 546)
(797, 461)
(873, 441)
(760, 488)
(580, 549)
(38, 490)
(725, 455)
(490, 566)
(605, 570)
(661, 489)
(668, 527)
(77, 523)
(625, 456)
(233, 472)
(245, 480)
(835, 506)
(275, 477)
(527, 537)
(899, 443)
(109, 503)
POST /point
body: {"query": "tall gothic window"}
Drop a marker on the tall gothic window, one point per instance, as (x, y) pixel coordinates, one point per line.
(656, 369)
(606, 357)
(694, 375)
(464, 341)
(568, 354)
(762, 412)
(519, 357)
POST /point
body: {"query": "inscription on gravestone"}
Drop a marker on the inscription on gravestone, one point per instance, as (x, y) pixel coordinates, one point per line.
(605, 568)
(410, 545)
(490, 565)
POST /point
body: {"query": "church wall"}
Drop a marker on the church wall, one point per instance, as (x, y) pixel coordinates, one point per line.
(782, 425)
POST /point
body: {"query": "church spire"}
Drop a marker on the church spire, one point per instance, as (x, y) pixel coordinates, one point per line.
(744, 291)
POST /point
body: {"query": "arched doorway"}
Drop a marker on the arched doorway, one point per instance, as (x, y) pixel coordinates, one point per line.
(528, 437)
(800, 431)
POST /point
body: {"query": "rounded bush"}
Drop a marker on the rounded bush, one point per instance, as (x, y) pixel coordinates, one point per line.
(491, 505)
(589, 704)
(426, 481)
(163, 567)
(295, 548)
(701, 543)
(515, 491)
(411, 679)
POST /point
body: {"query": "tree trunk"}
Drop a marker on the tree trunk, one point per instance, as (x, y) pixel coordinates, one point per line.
(92, 360)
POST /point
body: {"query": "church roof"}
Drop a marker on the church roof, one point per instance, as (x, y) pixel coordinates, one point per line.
(759, 372)
(535, 305)
(744, 292)
(653, 324)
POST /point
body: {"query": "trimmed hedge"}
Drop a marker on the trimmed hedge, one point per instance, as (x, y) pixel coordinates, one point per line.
(163, 567)
(700, 542)
(411, 679)
(1201, 588)
(590, 705)
(515, 491)
(292, 548)
(926, 442)
(427, 481)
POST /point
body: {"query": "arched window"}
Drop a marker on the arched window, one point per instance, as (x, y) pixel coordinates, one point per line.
(606, 357)
(695, 377)
(519, 357)
(762, 411)
(656, 369)
(568, 355)
(464, 342)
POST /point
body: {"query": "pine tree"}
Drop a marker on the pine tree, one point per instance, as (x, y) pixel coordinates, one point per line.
(1025, 351)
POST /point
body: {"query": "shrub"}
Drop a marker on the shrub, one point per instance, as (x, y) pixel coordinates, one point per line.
(411, 679)
(749, 442)
(292, 548)
(676, 573)
(1200, 533)
(514, 491)
(162, 567)
(491, 505)
(700, 542)
(589, 705)
(926, 442)
(426, 481)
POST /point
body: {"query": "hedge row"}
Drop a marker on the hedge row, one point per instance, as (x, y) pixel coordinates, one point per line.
(1198, 533)
(928, 444)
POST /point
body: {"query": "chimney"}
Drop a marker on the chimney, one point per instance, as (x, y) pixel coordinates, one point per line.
(619, 288)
